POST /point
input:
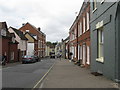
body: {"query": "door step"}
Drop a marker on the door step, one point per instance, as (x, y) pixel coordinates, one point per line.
(96, 74)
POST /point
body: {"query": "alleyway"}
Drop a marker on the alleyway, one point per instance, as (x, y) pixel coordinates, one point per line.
(67, 75)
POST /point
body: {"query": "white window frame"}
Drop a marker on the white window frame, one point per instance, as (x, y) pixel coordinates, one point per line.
(95, 5)
(88, 21)
(12, 56)
(100, 42)
(84, 54)
(81, 50)
(80, 28)
(78, 52)
(75, 51)
(88, 55)
(84, 24)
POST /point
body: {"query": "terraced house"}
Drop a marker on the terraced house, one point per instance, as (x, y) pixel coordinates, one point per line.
(40, 44)
(105, 38)
(22, 40)
(8, 44)
(80, 35)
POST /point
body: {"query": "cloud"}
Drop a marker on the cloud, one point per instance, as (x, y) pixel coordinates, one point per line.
(53, 16)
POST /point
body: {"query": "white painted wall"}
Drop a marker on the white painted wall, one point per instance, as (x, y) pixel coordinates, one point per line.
(22, 43)
(30, 49)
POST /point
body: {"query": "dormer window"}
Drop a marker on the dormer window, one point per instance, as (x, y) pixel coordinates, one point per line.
(3, 32)
(13, 39)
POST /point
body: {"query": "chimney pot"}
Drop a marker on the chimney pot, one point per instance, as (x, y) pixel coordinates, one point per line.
(39, 29)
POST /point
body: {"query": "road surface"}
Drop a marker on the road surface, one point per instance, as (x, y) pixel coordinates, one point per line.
(25, 75)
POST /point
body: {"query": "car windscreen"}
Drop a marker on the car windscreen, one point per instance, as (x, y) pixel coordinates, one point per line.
(27, 56)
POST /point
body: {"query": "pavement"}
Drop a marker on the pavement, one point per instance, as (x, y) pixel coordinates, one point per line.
(65, 74)
(11, 64)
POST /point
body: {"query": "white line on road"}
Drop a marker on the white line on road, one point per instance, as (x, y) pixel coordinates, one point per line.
(43, 77)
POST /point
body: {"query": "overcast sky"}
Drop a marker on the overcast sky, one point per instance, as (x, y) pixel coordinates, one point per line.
(53, 16)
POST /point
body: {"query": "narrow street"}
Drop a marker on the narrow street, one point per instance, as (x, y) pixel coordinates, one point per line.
(25, 75)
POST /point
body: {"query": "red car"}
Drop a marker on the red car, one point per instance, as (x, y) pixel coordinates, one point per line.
(28, 59)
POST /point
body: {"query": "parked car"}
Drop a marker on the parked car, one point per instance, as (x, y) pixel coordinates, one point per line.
(36, 58)
(52, 55)
(28, 59)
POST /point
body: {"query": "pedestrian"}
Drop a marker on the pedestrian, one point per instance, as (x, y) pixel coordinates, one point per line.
(60, 56)
(4, 59)
(70, 56)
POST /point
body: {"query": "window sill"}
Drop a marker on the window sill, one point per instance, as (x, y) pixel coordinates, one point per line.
(101, 60)
(88, 29)
(94, 10)
(102, 1)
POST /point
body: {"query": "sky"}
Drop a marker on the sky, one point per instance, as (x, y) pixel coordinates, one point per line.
(54, 17)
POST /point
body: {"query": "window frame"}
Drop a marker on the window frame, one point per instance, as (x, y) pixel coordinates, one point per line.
(88, 20)
(84, 25)
(94, 3)
(100, 36)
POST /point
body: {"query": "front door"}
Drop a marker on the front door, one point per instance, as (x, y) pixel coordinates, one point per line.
(84, 54)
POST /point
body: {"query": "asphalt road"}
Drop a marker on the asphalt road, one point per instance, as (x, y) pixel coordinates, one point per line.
(25, 75)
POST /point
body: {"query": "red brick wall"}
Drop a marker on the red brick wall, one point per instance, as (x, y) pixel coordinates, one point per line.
(14, 48)
(41, 37)
(5, 48)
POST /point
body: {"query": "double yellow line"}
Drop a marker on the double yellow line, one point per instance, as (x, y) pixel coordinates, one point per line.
(43, 77)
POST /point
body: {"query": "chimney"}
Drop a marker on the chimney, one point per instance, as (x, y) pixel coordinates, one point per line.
(62, 40)
(39, 28)
(23, 24)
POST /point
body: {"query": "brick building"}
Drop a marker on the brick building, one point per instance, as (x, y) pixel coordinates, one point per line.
(40, 37)
(84, 33)
(8, 43)
(80, 35)
(73, 40)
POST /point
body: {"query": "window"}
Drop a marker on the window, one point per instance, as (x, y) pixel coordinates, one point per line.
(83, 24)
(88, 20)
(84, 54)
(12, 56)
(100, 45)
(80, 29)
(75, 51)
(3, 32)
(80, 52)
(88, 55)
(94, 5)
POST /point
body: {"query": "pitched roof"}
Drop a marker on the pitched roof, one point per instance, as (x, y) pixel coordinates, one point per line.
(19, 33)
(37, 29)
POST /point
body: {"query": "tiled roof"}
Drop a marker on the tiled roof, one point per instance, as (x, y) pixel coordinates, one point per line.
(35, 29)
(19, 33)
